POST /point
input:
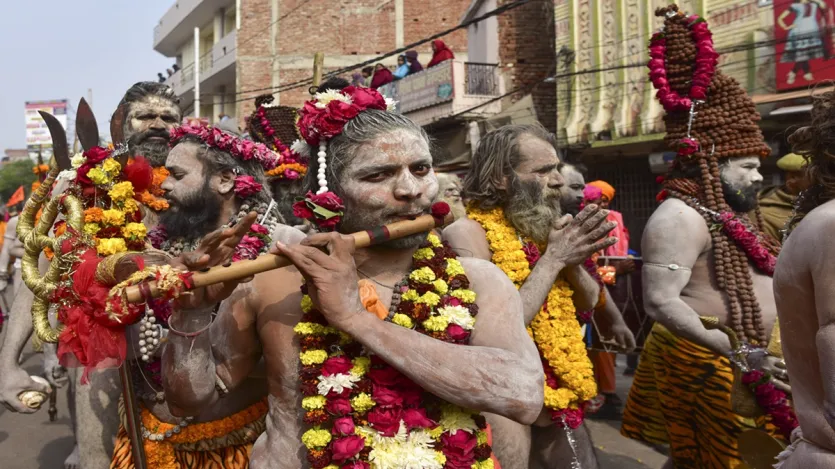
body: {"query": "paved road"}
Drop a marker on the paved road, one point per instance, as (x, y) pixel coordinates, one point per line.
(32, 441)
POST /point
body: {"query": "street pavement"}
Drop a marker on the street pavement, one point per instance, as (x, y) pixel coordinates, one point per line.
(32, 441)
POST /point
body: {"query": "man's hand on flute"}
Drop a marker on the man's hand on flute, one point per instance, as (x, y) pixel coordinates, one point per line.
(215, 249)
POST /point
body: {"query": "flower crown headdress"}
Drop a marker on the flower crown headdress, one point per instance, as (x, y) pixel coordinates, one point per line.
(321, 119)
(240, 148)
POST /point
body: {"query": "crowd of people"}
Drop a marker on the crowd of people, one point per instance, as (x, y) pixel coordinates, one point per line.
(425, 320)
(407, 64)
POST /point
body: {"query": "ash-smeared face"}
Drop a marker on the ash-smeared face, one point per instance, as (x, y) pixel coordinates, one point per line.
(388, 180)
(147, 125)
(193, 197)
(741, 182)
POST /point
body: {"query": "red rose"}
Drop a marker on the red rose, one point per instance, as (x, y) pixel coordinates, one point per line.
(341, 111)
(339, 407)
(412, 396)
(459, 449)
(336, 365)
(416, 418)
(246, 186)
(96, 155)
(386, 376)
(386, 397)
(343, 426)
(365, 98)
(573, 417)
(768, 396)
(385, 421)
(300, 210)
(457, 332)
(329, 126)
(327, 200)
(81, 174)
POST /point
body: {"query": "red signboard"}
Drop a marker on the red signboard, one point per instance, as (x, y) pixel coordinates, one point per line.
(803, 31)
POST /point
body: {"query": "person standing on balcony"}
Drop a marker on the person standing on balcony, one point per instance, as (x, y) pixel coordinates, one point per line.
(440, 53)
(160, 77)
(402, 68)
(367, 72)
(382, 76)
(414, 65)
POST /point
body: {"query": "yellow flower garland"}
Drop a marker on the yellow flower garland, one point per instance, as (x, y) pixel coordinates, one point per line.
(555, 329)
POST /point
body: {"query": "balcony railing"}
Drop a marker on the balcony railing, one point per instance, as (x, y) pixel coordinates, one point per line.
(482, 79)
(449, 89)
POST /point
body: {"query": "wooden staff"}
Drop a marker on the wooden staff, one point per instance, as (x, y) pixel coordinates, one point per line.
(247, 268)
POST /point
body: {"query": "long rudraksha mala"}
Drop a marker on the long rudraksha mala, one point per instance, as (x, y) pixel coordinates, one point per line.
(723, 125)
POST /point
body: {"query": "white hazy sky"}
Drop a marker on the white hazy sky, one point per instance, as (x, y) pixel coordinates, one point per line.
(58, 49)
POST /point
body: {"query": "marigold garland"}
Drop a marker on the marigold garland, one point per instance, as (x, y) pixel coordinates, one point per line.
(160, 454)
(363, 413)
(569, 376)
(153, 196)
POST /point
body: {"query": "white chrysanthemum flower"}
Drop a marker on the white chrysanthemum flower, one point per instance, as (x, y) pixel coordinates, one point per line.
(301, 147)
(402, 451)
(458, 315)
(391, 105)
(454, 420)
(330, 95)
(337, 383)
(77, 160)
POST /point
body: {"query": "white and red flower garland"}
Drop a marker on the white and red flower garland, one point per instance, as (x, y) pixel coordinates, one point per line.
(321, 119)
(363, 413)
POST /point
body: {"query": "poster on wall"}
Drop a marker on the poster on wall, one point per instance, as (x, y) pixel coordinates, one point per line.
(805, 50)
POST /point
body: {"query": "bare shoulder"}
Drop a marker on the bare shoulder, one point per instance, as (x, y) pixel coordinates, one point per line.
(274, 286)
(675, 227)
(492, 286)
(468, 239)
(287, 234)
(809, 243)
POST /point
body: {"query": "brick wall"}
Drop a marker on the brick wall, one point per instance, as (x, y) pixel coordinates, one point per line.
(347, 31)
(527, 54)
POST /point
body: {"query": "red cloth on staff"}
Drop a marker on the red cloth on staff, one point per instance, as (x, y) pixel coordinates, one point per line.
(441, 54)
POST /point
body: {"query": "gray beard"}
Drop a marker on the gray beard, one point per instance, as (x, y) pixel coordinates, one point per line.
(531, 210)
(155, 153)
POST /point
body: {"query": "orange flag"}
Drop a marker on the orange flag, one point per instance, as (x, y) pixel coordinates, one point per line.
(16, 198)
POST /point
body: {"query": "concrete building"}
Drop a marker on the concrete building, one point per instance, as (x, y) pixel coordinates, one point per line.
(216, 60)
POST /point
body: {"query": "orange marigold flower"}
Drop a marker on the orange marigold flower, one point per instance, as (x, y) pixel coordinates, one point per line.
(93, 215)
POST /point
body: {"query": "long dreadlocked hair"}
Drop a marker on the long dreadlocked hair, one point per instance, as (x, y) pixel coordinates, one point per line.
(816, 143)
(725, 128)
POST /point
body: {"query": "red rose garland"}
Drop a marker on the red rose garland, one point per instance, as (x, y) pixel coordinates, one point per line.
(361, 411)
(763, 260)
(706, 60)
(772, 400)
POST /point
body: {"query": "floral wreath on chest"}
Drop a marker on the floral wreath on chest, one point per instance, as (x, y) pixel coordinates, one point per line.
(569, 377)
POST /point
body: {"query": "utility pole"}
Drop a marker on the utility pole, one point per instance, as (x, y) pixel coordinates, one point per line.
(197, 72)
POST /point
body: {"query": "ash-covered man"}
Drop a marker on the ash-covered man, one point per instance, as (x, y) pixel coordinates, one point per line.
(378, 370)
(806, 301)
(152, 109)
(703, 258)
(514, 219)
(208, 188)
(449, 191)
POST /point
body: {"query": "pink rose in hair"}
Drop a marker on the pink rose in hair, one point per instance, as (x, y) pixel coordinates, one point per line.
(246, 186)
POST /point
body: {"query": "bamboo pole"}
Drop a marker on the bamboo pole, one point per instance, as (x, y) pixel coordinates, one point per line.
(247, 268)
